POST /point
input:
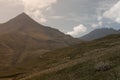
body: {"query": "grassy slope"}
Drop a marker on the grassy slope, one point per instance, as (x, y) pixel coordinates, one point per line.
(74, 63)
(106, 50)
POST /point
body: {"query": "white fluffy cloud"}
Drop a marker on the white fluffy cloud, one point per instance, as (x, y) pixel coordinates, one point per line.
(113, 13)
(77, 30)
(35, 8)
(94, 25)
(99, 23)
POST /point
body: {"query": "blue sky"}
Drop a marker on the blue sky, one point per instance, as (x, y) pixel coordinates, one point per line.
(74, 17)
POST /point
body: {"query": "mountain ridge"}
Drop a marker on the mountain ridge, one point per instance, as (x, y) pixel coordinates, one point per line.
(99, 33)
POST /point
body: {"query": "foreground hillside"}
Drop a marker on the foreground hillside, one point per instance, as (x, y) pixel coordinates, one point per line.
(95, 60)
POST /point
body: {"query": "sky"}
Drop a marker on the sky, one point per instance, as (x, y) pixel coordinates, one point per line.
(73, 17)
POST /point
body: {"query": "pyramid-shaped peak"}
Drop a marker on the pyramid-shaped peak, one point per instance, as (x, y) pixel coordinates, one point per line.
(23, 16)
(23, 13)
(22, 19)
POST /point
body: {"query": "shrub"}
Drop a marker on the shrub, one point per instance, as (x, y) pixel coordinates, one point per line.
(102, 66)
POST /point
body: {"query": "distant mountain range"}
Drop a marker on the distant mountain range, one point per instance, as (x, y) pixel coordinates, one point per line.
(22, 37)
(99, 33)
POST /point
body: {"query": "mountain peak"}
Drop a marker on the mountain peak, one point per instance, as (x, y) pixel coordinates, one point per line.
(22, 16)
(22, 19)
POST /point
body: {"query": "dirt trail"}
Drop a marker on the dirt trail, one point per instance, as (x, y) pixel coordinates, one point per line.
(62, 66)
(55, 69)
(65, 65)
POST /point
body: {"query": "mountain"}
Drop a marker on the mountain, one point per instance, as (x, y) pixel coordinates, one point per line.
(119, 30)
(99, 33)
(23, 48)
(22, 37)
(93, 60)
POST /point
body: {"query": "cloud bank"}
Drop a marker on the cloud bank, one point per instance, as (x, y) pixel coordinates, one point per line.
(36, 8)
(99, 23)
(77, 30)
(113, 13)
